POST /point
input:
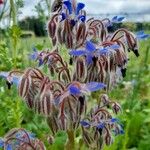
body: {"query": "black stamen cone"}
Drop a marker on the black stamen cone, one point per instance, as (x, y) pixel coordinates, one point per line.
(82, 99)
(9, 85)
(94, 60)
(123, 71)
(136, 53)
(100, 131)
(70, 61)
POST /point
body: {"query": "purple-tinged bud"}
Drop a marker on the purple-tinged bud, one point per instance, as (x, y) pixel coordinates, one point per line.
(104, 99)
(52, 26)
(108, 139)
(24, 85)
(116, 107)
(57, 5)
(80, 70)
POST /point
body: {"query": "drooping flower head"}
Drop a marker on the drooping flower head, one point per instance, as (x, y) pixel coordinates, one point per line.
(20, 139)
(101, 125)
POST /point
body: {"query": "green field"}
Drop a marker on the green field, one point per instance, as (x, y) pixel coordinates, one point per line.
(133, 94)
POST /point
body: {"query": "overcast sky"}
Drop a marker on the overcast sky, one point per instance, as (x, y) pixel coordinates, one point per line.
(115, 7)
(102, 6)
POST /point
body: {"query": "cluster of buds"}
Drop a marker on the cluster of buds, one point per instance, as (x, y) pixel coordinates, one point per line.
(62, 104)
(20, 139)
(100, 126)
(98, 55)
(67, 25)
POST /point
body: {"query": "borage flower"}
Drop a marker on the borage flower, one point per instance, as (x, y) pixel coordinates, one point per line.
(34, 55)
(77, 89)
(68, 25)
(74, 13)
(21, 139)
(115, 19)
(142, 36)
(100, 125)
(10, 78)
(88, 52)
(1, 142)
(91, 52)
(38, 56)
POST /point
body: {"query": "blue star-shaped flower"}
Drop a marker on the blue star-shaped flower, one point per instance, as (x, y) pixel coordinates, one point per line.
(141, 35)
(79, 7)
(91, 51)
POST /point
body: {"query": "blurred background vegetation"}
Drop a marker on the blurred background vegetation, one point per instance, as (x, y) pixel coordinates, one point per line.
(16, 43)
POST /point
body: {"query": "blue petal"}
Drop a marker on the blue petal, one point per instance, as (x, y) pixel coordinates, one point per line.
(90, 46)
(80, 6)
(140, 32)
(34, 55)
(85, 123)
(120, 19)
(16, 80)
(82, 18)
(144, 36)
(114, 18)
(100, 125)
(114, 120)
(77, 52)
(40, 62)
(4, 74)
(117, 19)
(32, 135)
(74, 90)
(63, 16)
(89, 59)
(94, 86)
(122, 131)
(114, 46)
(1, 143)
(69, 6)
(9, 147)
(103, 51)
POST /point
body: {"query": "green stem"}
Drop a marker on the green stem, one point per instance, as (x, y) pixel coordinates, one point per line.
(126, 138)
(70, 143)
(146, 56)
(13, 15)
(13, 12)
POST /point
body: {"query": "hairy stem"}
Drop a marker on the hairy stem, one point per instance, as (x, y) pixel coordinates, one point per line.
(70, 143)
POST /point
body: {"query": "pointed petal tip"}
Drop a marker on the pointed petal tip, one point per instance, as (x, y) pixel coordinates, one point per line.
(90, 46)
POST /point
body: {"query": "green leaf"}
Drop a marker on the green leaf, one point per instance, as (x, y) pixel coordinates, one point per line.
(39, 47)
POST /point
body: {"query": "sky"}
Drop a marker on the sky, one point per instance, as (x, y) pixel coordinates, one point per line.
(139, 10)
(115, 7)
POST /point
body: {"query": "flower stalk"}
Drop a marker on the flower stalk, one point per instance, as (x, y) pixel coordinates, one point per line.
(70, 143)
